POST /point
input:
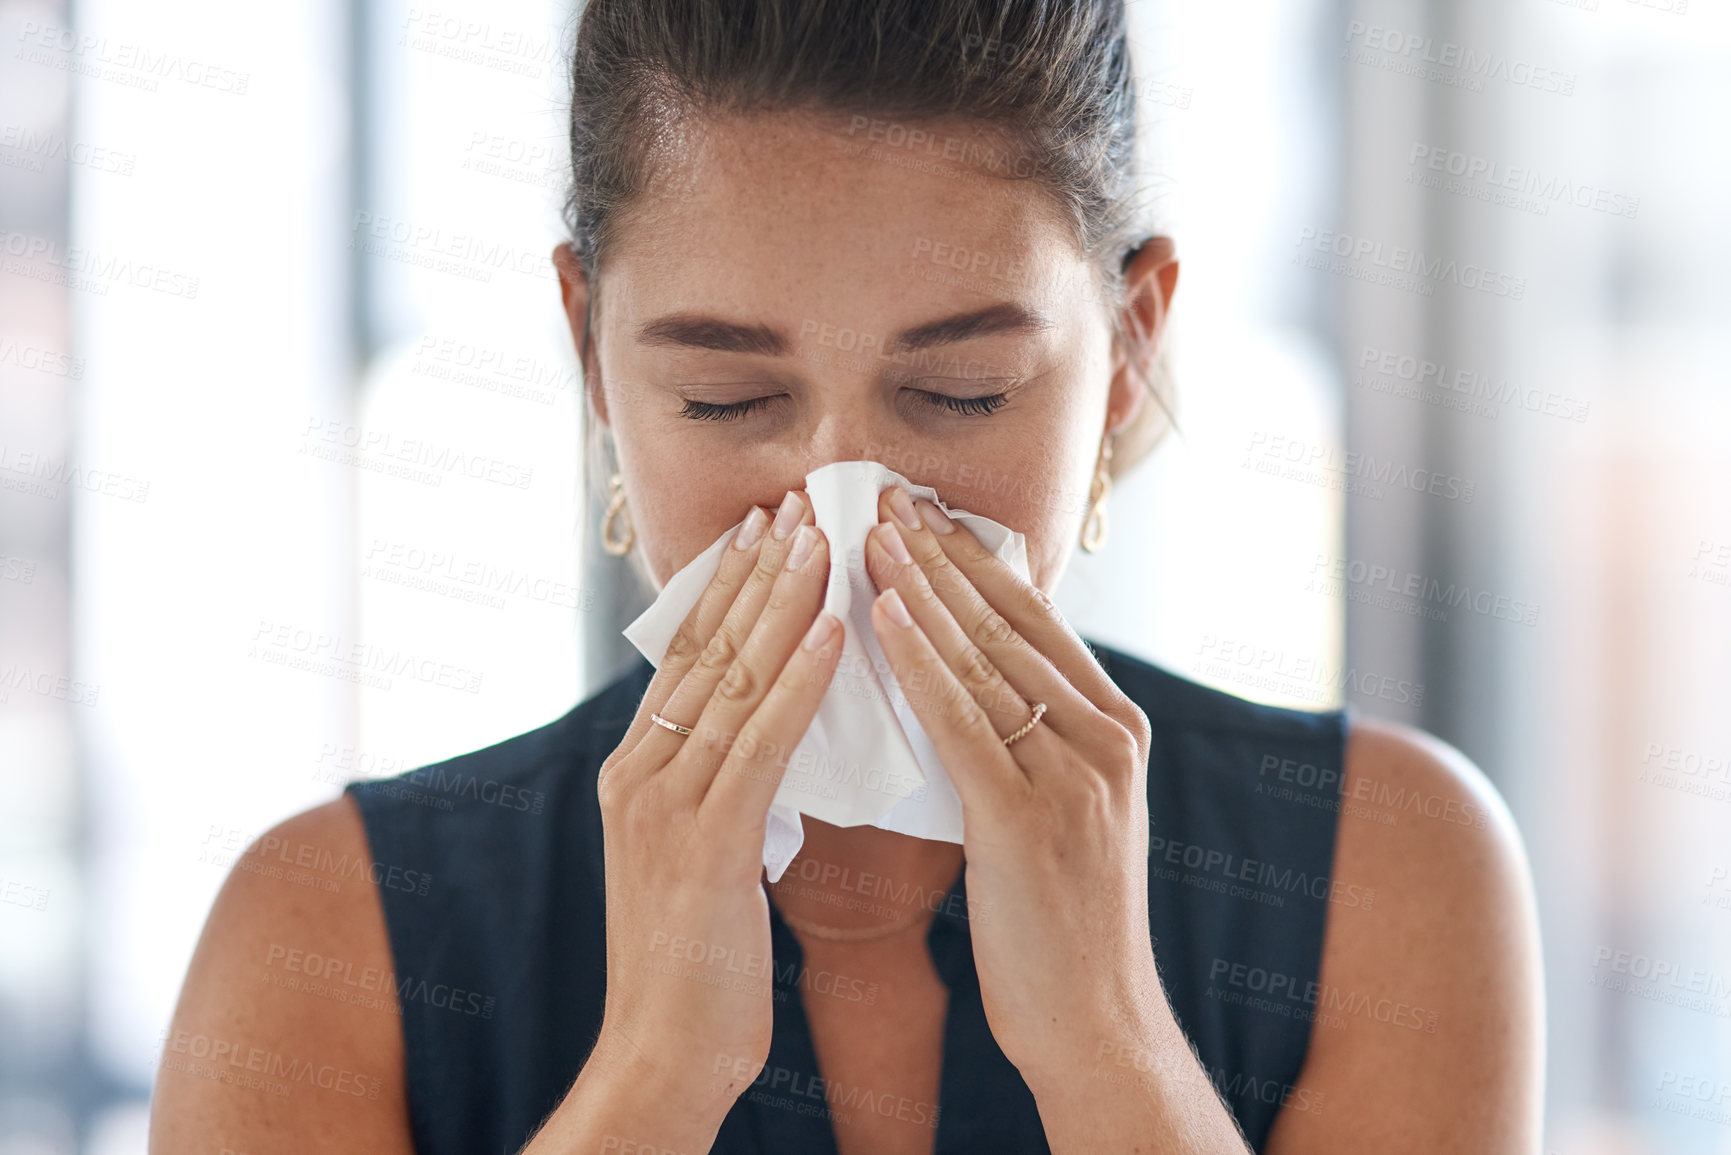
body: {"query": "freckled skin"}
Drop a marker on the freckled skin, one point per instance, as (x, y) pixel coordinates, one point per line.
(773, 223)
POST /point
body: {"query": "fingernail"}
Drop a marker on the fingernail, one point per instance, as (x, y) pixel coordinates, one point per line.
(937, 519)
(891, 539)
(792, 509)
(751, 529)
(903, 507)
(896, 608)
(820, 631)
(803, 543)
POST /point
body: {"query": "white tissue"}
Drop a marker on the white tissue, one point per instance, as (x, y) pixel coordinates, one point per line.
(865, 759)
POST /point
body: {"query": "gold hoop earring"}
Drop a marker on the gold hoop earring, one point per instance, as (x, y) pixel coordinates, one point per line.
(618, 547)
(1095, 525)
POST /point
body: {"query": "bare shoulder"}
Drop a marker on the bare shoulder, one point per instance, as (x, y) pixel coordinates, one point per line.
(287, 1035)
(1429, 1025)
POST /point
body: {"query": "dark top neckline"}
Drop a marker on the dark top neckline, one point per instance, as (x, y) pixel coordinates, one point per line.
(505, 843)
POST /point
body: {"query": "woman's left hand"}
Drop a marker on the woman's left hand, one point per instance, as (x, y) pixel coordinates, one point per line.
(1056, 840)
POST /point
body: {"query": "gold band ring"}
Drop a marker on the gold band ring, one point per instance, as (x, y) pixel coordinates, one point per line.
(666, 725)
(1039, 709)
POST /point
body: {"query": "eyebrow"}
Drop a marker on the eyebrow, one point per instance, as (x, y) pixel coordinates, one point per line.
(694, 331)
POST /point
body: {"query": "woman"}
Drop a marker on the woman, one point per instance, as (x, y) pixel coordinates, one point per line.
(807, 232)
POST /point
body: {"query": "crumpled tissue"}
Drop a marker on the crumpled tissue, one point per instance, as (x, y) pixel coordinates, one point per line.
(865, 760)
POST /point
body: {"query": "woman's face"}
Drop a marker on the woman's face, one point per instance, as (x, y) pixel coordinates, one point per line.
(793, 293)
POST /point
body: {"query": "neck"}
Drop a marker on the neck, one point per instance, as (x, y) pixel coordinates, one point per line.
(861, 877)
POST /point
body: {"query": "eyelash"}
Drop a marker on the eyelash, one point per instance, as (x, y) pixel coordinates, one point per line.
(967, 406)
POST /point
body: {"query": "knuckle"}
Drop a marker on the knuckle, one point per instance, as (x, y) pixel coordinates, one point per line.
(721, 651)
(769, 565)
(1140, 728)
(945, 577)
(613, 788)
(993, 629)
(977, 672)
(607, 788)
(781, 599)
(1122, 710)
(1124, 749)
(739, 684)
(685, 647)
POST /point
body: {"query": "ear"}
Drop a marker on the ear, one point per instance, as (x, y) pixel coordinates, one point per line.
(1150, 279)
(574, 296)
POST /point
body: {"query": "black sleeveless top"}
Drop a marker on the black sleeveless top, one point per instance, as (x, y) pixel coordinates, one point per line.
(501, 967)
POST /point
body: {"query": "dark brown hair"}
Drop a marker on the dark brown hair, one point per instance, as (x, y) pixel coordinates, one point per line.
(1053, 77)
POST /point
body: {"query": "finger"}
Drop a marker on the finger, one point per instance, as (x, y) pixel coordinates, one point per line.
(935, 590)
(699, 625)
(891, 567)
(982, 768)
(744, 786)
(1029, 611)
(701, 676)
(790, 606)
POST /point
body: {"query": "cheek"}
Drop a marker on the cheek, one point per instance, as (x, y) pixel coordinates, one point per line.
(677, 516)
(1035, 482)
(1043, 475)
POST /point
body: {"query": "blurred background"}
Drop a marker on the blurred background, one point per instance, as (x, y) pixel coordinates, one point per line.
(1455, 450)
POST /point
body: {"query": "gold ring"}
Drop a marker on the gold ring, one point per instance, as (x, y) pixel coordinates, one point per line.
(666, 725)
(1039, 709)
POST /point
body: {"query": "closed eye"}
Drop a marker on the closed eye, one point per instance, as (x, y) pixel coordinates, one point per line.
(732, 411)
(981, 406)
(970, 406)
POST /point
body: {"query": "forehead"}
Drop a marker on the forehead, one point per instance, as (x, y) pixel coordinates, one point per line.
(823, 213)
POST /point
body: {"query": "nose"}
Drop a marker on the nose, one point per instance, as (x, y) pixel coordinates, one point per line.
(851, 428)
(845, 435)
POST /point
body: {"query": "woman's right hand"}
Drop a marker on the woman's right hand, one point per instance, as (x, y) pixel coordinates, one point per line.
(690, 980)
